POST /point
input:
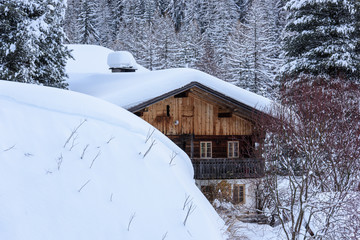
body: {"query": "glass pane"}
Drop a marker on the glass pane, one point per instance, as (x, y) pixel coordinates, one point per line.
(241, 194)
(236, 149)
(209, 150)
(236, 194)
(230, 149)
(202, 150)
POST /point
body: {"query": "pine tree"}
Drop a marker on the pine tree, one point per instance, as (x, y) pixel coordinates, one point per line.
(107, 29)
(87, 22)
(52, 54)
(165, 43)
(322, 40)
(71, 14)
(178, 13)
(117, 13)
(31, 37)
(255, 56)
(16, 59)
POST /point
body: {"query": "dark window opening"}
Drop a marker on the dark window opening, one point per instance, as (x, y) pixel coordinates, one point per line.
(239, 194)
(225, 115)
(168, 110)
(182, 95)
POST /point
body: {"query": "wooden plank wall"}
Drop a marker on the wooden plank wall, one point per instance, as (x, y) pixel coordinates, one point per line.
(194, 115)
(219, 145)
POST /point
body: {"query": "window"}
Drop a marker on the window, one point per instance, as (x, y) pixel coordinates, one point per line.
(205, 149)
(182, 95)
(168, 110)
(238, 193)
(225, 115)
(233, 149)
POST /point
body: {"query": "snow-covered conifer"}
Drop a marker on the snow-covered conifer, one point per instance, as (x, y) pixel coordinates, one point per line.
(31, 48)
(87, 22)
(255, 43)
(52, 54)
(322, 39)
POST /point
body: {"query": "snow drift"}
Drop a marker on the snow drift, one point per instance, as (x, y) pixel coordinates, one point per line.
(76, 167)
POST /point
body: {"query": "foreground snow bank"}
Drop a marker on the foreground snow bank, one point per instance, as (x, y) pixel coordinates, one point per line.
(76, 167)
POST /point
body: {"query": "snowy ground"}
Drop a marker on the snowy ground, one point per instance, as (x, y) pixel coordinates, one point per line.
(89, 73)
(76, 167)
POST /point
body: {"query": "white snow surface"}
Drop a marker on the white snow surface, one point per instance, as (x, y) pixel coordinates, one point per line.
(90, 59)
(90, 186)
(121, 59)
(130, 89)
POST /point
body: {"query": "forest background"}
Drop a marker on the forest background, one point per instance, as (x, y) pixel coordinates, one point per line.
(238, 41)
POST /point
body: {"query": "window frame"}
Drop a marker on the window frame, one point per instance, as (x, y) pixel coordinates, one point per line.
(206, 153)
(239, 195)
(231, 154)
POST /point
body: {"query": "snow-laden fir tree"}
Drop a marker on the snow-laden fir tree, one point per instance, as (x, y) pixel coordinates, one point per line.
(32, 42)
(255, 49)
(322, 39)
(71, 14)
(222, 22)
(16, 59)
(116, 8)
(87, 22)
(189, 37)
(52, 55)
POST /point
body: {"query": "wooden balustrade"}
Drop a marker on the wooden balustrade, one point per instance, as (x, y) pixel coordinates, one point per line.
(223, 168)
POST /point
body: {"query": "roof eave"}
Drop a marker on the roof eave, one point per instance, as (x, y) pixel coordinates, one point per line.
(250, 112)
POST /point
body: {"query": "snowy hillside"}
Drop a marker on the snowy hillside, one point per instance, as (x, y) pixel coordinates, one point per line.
(76, 167)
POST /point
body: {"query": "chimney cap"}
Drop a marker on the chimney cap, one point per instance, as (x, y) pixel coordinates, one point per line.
(122, 60)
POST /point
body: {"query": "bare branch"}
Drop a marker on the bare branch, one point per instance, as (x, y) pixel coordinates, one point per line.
(97, 155)
(164, 236)
(152, 144)
(84, 185)
(59, 161)
(130, 220)
(73, 132)
(190, 210)
(112, 137)
(8, 149)
(149, 134)
(187, 200)
(73, 144)
(172, 157)
(84, 150)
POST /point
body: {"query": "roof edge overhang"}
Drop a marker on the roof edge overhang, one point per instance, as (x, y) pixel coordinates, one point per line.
(249, 112)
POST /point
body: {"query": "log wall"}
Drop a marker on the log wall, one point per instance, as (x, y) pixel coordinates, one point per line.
(191, 145)
(194, 114)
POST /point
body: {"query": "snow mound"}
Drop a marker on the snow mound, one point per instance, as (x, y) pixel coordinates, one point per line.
(89, 59)
(76, 167)
(121, 59)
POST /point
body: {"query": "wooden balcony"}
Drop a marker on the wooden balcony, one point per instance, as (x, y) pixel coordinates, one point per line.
(223, 168)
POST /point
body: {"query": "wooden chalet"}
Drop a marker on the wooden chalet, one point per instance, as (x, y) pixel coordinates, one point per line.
(211, 120)
(216, 131)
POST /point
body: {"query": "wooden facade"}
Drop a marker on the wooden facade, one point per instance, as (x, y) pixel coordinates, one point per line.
(217, 133)
(198, 113)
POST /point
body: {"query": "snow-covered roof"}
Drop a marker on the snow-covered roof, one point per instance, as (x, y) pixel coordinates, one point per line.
(132, 89)
(90, 59)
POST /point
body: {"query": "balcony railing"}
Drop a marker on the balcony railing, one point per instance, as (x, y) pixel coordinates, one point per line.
(223, 168)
